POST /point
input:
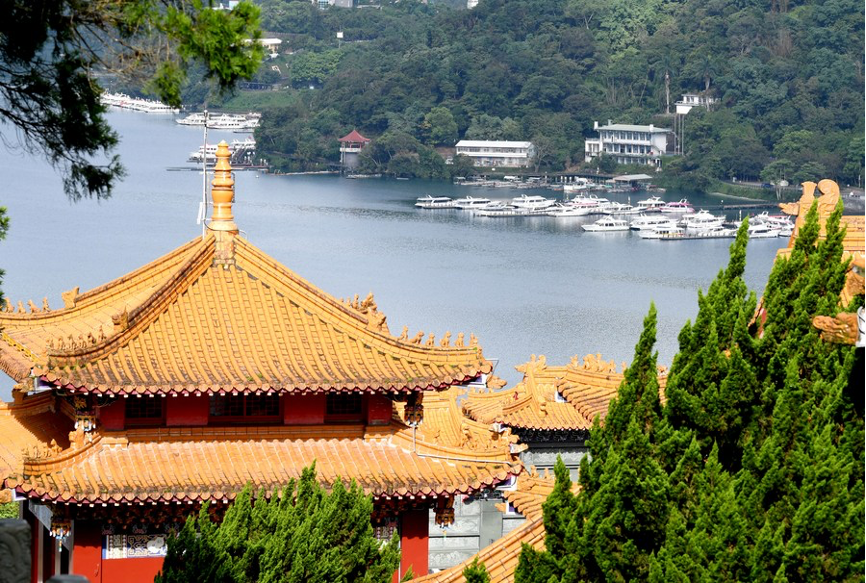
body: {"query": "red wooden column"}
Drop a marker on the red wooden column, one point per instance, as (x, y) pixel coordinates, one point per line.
(414, 541)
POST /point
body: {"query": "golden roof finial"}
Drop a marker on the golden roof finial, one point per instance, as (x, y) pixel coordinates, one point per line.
(223, 193)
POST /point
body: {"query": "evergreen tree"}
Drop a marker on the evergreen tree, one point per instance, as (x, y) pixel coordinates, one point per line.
(304, 534)
(476, 572)
(753, 470)
(712, 389)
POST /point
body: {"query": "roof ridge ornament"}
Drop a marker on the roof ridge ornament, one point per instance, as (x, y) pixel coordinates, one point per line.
(223, 194)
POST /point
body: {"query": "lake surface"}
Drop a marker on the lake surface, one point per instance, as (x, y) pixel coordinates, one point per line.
(523, 285)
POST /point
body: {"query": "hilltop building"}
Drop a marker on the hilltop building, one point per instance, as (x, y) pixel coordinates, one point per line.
(692, 100)
(323, 4)
(497, 154)
(213, 367)
(350, 146)
(630, 144)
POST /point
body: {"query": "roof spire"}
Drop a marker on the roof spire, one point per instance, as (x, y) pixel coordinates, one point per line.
(223, 193)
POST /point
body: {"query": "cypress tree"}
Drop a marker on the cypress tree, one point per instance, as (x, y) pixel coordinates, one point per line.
(754, 470)
(305, 534)
(476, 572)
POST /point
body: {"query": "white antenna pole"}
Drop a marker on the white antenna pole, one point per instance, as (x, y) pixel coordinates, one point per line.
(204, 179)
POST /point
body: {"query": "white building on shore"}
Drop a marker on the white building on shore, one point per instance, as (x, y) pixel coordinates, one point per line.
(691, 100)
(502, 154)
(630, 144)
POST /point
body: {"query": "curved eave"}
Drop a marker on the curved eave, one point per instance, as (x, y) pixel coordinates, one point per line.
(195, 390)
(383, 496)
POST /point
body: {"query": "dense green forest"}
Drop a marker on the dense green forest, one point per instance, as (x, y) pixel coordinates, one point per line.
(788, 73)
(752, 470)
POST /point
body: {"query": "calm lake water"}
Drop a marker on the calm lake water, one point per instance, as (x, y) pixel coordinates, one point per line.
(523, 285)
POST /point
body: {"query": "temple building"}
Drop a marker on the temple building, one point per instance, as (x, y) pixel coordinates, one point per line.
(552, 410)
(212, 367)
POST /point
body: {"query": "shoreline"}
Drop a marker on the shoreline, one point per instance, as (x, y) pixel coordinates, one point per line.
(734, 196)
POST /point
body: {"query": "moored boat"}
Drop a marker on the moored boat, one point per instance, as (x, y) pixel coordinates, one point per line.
(565, 211)
(762, 231)
(648, 222)
(531, 202)
(652, 204)
(500, 209)
(606, 224)
(702, 221)
(471, 202)
(681, 206)
(434, 202)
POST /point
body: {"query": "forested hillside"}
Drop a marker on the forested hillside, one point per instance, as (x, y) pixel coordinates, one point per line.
(789, 74)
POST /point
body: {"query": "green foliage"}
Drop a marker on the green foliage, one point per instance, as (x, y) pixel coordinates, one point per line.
(524, 69)
(753, 468)
(476, 572)
(10, 509)
(303, 533)
(51, 53)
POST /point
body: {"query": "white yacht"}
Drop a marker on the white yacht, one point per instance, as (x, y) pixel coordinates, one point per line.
(762, 231)
(470, 202)
(577, 185)
(652, 204)
(209, 152)
(621, 208)
(565, 211)
(606, 224)
(665, 231)
(223, 121)
(648, 222)
(500, 209)
(531, 202)
(681, 206)
(124, 101)
(193, 119)
(702, 221)
(434, 202)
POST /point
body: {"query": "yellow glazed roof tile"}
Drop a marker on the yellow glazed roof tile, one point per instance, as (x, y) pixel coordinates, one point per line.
(170, 464)
(189, 322)
(32, 428)
(585, 390)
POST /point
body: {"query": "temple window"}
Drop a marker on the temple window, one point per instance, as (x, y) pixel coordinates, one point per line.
(344, 407)
(143, 410)
(228, 407)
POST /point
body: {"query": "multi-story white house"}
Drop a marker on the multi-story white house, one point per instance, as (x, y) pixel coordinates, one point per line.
(502, 154)
(630, 144)
(691, 100)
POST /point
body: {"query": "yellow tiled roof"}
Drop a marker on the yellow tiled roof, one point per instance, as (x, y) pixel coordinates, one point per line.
(214, 463)
(191, 323)
(30, 428)
(587, 388)
(444, 424)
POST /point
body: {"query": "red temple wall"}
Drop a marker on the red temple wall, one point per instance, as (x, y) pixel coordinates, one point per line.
(130, 570)
(187, 411)
(87, 551)
(378, 410)
(304, 410)
(113, 416)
